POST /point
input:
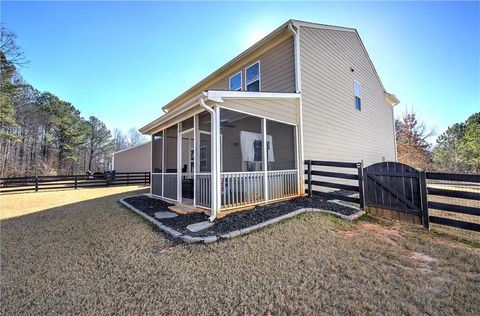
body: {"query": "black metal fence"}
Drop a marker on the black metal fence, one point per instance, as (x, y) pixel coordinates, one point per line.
(21, 184)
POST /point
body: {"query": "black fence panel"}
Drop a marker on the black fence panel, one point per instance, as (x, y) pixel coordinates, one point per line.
(25, 184)
(334, 195)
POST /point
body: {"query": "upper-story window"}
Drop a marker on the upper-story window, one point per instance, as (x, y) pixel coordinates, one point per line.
(252, 77)
(235, 82)
(357, 89)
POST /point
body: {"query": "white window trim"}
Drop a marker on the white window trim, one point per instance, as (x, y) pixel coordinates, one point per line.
(259, 76)
(358, 96)
(230, 81)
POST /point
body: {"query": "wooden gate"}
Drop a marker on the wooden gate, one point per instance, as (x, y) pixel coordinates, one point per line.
(394, 190)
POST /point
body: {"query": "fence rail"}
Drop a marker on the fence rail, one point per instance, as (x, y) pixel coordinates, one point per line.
(23, 184)
(449, 194)
(449, 199)
(358, 177)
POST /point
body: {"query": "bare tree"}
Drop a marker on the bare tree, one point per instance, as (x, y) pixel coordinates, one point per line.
(120, 139)
(135, 137)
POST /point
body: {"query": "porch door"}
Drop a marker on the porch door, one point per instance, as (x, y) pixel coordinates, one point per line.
(187, 166)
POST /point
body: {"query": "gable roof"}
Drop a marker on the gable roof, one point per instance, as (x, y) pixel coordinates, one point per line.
(202, 85)
(198, 87)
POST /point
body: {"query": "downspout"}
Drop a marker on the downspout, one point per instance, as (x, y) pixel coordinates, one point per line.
(298, 88)
(298, 76)
(213, 134)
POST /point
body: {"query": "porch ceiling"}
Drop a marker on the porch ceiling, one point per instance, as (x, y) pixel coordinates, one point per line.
(280, 106)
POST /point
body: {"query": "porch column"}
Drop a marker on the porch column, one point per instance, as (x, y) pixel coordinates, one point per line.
(179, 163)
(216, 170)
(195, 153)
(265, 161)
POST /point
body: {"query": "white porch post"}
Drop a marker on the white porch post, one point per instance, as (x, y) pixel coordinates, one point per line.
(195, 138)
(218, 190)
(163, 163)
(300, 149)
(179, 163)
(265, 161)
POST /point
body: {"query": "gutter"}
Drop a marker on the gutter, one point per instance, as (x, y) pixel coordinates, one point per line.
(213, 137)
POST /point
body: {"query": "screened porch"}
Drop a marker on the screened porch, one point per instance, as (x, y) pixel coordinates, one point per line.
(184, 168)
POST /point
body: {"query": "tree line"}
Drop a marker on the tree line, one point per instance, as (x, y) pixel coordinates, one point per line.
(40, 134)
(456, 150)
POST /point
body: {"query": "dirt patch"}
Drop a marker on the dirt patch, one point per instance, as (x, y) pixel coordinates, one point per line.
(417, 256)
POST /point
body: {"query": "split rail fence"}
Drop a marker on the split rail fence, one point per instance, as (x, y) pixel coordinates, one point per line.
(37, 183)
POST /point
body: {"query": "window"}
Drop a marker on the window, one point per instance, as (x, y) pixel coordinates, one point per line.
(252, 77)
(236, 82)
(357, 89)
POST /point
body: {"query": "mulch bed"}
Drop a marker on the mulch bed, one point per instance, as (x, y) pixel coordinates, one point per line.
(234, 221)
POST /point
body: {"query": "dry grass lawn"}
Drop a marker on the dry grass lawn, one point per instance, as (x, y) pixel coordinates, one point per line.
(93, 256)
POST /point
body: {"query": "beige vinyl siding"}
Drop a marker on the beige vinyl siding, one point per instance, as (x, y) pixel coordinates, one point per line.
(285, 110)
(333, 128)
(277, 70)
(136, 159)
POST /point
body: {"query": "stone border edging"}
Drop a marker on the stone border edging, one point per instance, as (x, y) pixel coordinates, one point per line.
(243, 231)
(166, 229)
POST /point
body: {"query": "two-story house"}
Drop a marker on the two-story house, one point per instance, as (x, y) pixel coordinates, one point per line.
(306, 90)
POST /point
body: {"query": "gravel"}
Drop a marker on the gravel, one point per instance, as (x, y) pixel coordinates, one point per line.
(237, 220)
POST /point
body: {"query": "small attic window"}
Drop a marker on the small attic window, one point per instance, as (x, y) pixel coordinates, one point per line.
(252, 77)
(357, 90)
(235, 82)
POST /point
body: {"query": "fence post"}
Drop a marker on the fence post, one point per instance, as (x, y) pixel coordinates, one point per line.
(424, 199)
(361, 193)
(36, 183)
(76, 181)
(309, 170)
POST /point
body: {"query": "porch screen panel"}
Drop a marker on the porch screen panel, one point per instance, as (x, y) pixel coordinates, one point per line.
(170, 183)
(241, 142)
(157, 152)
(281, 151)
(157, 184)
(204, 119)
(170, 161)
(171, 150)
(205, 153)
(282, 176)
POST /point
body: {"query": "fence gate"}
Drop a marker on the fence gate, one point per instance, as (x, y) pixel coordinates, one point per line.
(394, 190)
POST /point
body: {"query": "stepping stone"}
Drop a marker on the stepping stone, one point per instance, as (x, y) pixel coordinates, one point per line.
(199, 226)
(165, 214)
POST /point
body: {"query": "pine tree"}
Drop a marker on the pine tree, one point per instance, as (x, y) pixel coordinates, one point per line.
(98, 141)
(448, 151)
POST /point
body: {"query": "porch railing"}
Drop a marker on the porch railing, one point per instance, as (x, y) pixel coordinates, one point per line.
(241, 188)
(203, 188)
(245, 188)
(282, 183)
